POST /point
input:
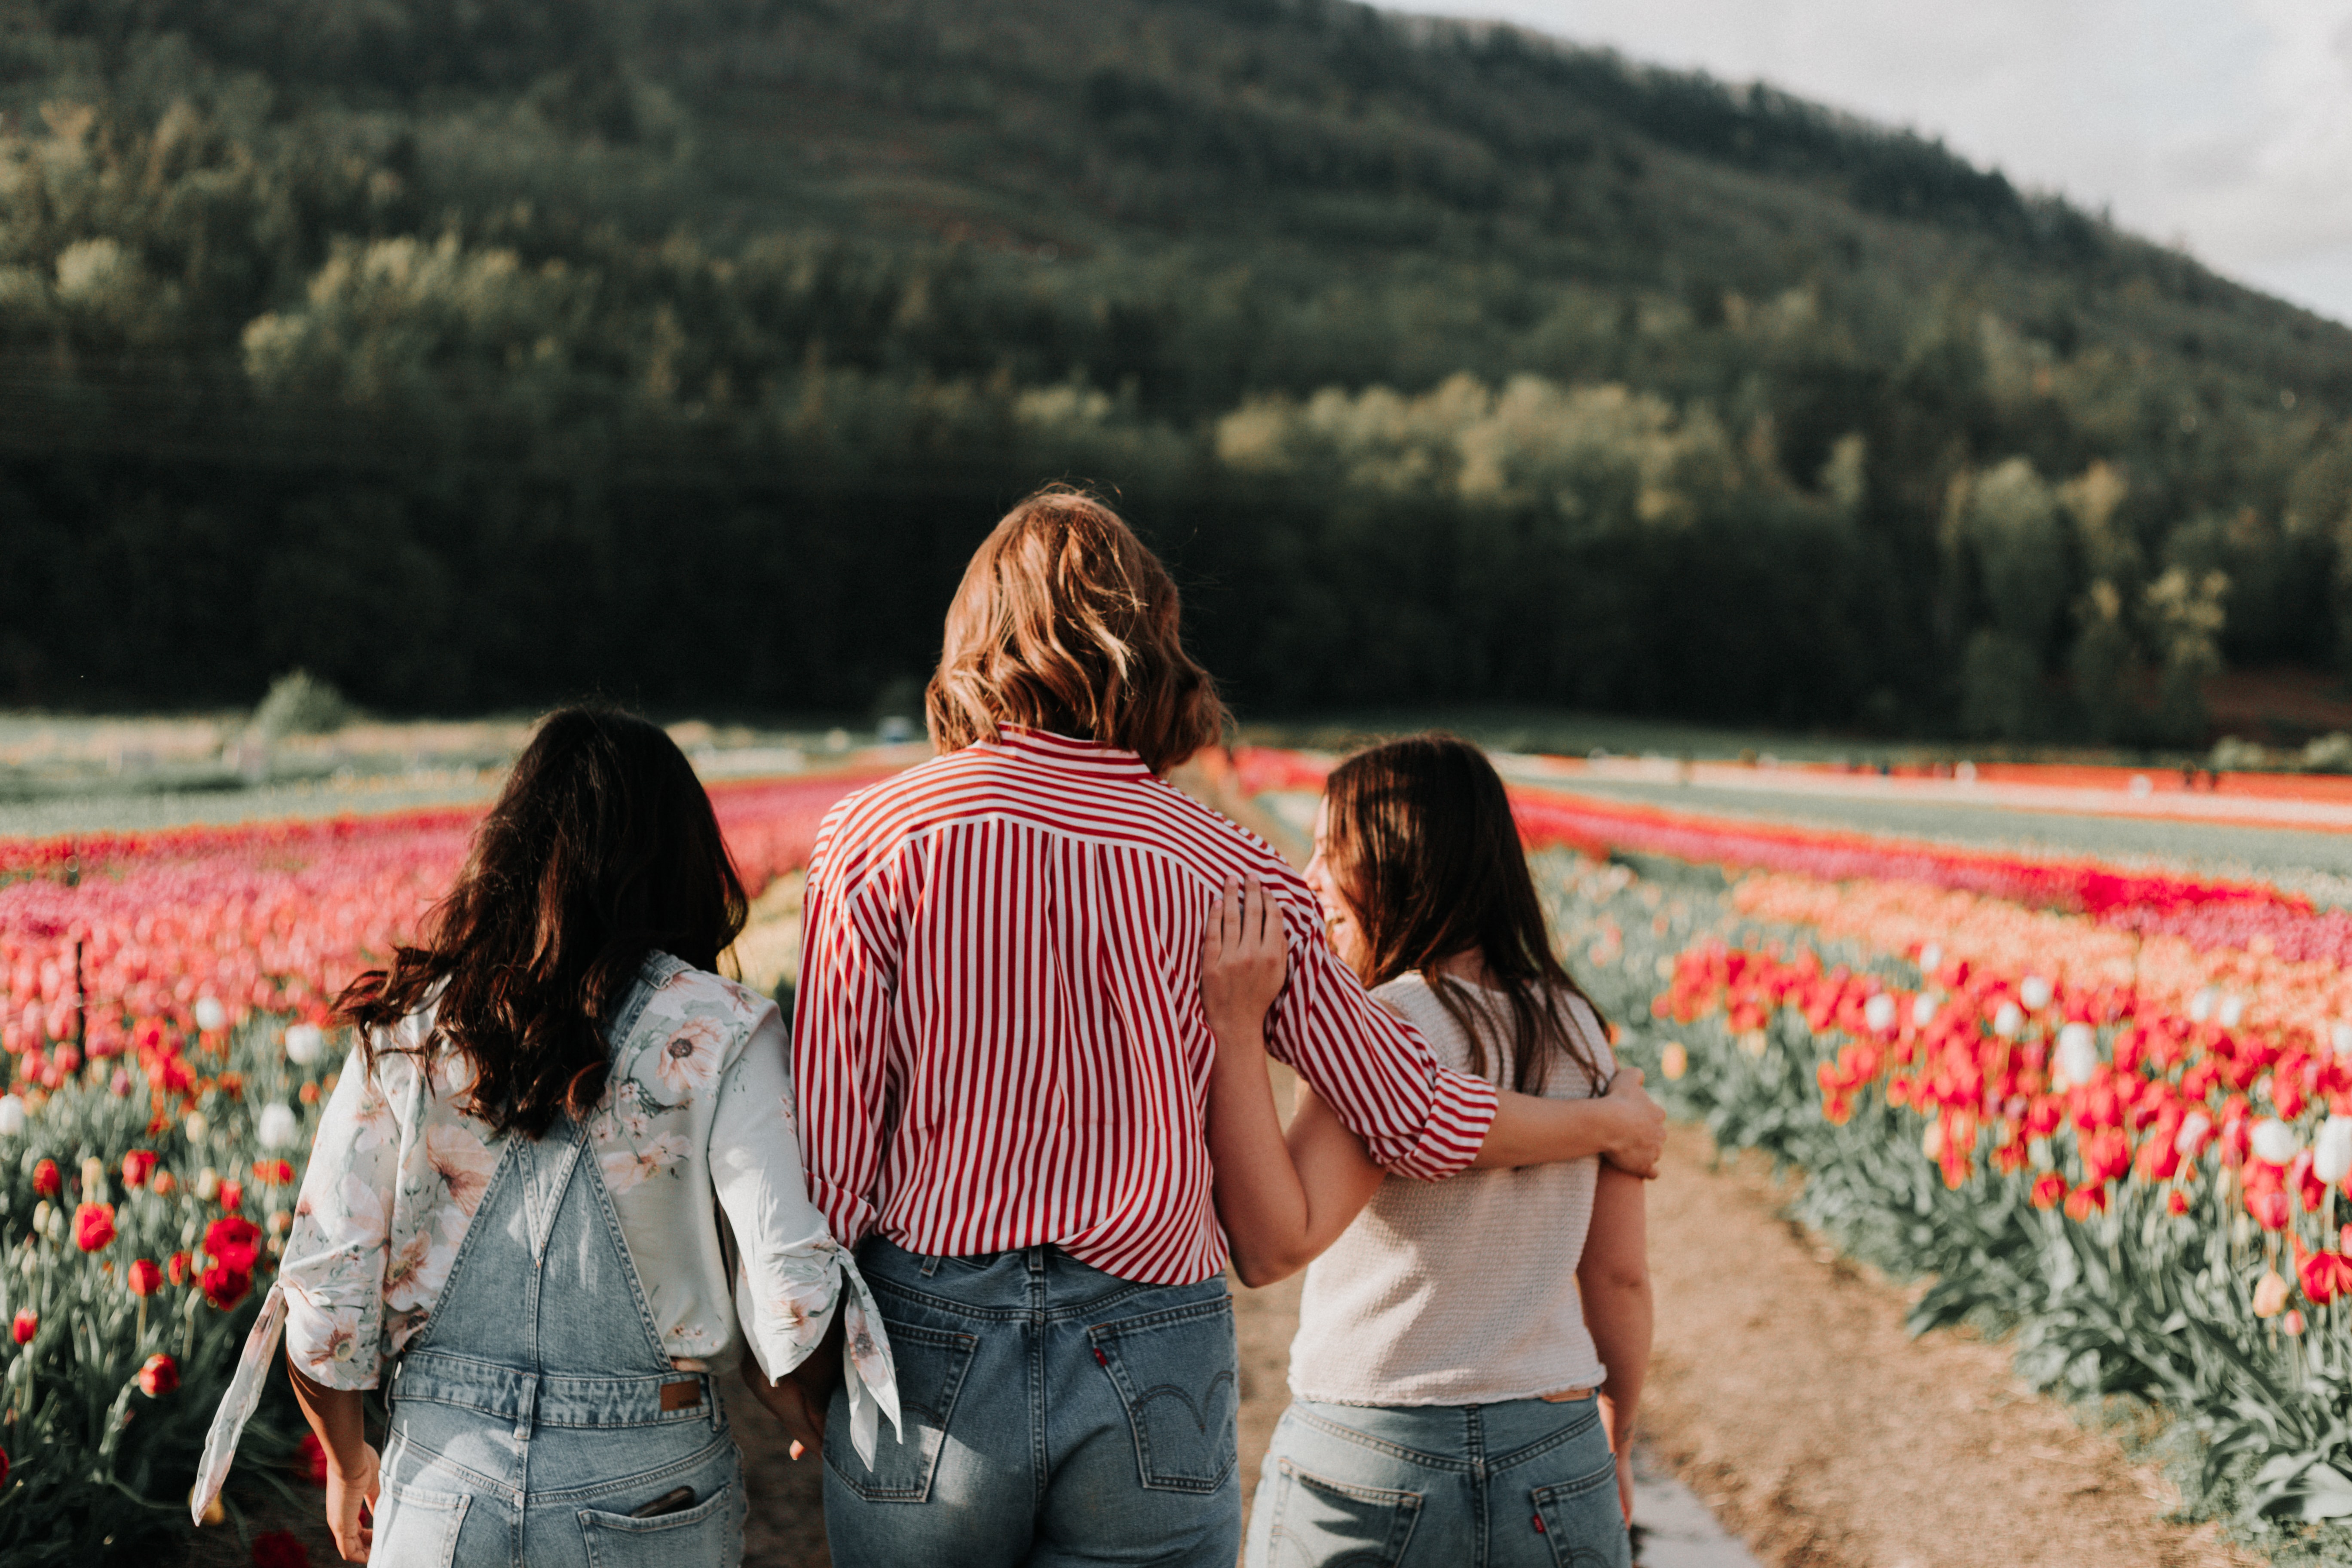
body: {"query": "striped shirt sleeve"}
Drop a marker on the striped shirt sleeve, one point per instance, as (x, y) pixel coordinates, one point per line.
(840, 1053)
(1378, 1075)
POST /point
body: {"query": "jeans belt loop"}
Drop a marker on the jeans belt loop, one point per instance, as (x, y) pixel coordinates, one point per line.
(930, 1264)
(710, 1396)
(526, 1407)
(1036, 1259)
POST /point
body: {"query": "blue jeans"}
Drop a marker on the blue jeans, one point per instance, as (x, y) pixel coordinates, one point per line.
(1053, 1415)
(1525, 1484)
(538, 1410)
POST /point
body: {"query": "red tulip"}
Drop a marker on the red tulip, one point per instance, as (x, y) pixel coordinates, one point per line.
(225, 1286)
(46, 1180)
(136, 1165)
(93, 1225)
(2049, 1190)
(2326, 1276)
(146, 1277)
(232, 1195)
(233, 1241)
(26, 1325)
(311, 1460)
(159, 1376)
(2176, 1202)
(178, 1266)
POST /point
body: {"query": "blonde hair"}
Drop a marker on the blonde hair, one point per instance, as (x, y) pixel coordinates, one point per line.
(1065, 622)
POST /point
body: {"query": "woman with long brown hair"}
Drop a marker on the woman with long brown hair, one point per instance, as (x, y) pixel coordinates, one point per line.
(1470, 1352)
(1003, 1062)
(556, 1128)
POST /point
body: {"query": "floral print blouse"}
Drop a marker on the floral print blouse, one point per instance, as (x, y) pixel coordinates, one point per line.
(698, 1117)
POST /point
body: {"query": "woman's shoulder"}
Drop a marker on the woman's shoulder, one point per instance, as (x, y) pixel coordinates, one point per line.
(687, 993)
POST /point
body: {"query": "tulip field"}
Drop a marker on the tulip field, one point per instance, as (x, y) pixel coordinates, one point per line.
(2106, 1109)
(163, 1006)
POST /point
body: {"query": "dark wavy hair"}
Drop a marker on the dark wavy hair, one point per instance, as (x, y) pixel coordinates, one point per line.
(1420, 841)
(602, 848)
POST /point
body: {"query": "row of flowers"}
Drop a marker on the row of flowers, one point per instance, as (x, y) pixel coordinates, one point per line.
(157, 938)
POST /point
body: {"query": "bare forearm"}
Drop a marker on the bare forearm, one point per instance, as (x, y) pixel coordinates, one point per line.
(1529, 1130)
(1614, 1277)
(338, 1417)
(1260, 1199)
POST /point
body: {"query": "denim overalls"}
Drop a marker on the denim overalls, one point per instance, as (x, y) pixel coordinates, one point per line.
(537, 1409)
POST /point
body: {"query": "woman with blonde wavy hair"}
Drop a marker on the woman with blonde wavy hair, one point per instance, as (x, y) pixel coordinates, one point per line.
(1002, 1064)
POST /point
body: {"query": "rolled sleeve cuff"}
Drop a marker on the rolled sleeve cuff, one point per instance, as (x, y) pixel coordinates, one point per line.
(1461, 1110)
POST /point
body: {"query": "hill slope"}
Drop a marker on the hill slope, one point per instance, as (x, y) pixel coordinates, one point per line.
(491, 340)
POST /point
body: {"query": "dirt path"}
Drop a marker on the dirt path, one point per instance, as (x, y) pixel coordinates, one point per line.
(1785, 1391)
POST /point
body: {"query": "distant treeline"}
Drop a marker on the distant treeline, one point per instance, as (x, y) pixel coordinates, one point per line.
(478, 355)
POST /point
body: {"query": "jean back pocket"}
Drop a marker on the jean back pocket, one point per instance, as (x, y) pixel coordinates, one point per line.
(693, 1537)
(930, 1363)
(1584, 1522)
(1320, 1523)
(1177, 1374)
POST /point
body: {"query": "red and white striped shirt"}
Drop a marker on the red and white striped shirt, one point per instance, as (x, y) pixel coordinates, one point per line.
(998, 1039)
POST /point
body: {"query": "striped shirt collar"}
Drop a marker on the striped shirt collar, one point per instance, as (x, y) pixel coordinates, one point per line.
(1066, 754)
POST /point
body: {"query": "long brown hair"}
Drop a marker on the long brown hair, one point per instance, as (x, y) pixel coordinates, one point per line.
(1065, 622)
(602, 848)
(1419, 838)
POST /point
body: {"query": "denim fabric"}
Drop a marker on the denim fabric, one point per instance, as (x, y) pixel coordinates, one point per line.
(1055, 1414)
(527, 1419)
(1523, 1484)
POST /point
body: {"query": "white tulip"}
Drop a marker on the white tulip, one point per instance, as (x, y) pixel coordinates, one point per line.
(195, 1125)
(2034, 992)
(2009, 1020)
(2078, 1055)
(1931, 1142)
(2331, 1151)
(2340, 1037)
(303, 1043)
(277, 1126)
(2192, 1133)
(2275, 1143)
(1879, 1013)
(2200, 1007)
(1922, 1010)
(12, 1115)
(211, 1016)
(207, 1184)
(1931, 957)
(2232, 1009)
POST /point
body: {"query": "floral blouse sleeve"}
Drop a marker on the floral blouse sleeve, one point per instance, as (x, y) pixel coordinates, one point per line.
(794, 1275)
(340, 1246)
(329, 1295)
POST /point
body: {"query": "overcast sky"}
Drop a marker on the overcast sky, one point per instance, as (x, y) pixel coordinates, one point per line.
(2221, 125)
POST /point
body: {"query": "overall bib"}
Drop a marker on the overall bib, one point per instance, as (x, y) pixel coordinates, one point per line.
(538, 1410)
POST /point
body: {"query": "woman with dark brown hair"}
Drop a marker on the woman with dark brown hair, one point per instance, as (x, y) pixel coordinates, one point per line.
(1003, 1062)
(512, 1219)
(1470, 1352)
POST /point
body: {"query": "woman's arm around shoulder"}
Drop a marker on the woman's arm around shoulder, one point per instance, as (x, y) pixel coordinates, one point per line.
(1282, 1199)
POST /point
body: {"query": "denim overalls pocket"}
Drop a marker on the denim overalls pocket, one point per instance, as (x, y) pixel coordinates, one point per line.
(690, 1538)
(419, 1529)
(1178, 1376)
(931, 1364)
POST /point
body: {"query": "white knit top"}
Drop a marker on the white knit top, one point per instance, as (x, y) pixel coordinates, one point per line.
(1461, 1291)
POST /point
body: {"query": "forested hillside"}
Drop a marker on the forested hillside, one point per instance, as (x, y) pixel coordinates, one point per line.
(483, 352)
